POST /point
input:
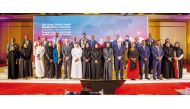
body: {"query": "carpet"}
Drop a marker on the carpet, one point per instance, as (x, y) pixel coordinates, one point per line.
(151, 89)
(59, 88)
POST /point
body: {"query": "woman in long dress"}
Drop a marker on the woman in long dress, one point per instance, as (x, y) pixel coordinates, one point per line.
(39, 60)
(57, 59)
(178, 61)
(168, 61)
(108, 54)
(24, 62)
(86, 64)
(49, 57)
(133, 63)
(76, 67)
(101, 46)
(96, 62)
(13, 57)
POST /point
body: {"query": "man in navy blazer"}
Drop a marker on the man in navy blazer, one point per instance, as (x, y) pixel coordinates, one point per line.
(67, 58)
(157, 53)
(119, 57)
(114, 43)
(149, 43)
(144, 52)
(92, 42)
(137, 43)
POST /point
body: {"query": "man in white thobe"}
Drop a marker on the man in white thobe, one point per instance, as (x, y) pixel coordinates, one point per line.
(76, 67)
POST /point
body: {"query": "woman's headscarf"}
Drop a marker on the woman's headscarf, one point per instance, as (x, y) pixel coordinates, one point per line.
(109, 45)
(176, 48)
(86, 50)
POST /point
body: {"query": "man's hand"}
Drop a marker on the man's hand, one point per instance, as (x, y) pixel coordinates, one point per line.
(67, 58)
(119, 57)
(96, 61)
(170, 59)
(108, 60)
(86, 60)
(17, 61)
(159, 58)
(145, 59)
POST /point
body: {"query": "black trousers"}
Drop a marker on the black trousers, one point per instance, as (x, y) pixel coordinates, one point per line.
(67, 68)
(58, 71)
(119, 67)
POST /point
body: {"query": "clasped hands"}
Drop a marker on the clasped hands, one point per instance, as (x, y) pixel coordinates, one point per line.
(119, 57)
(159, 58)
(96, 61)
(66, 58)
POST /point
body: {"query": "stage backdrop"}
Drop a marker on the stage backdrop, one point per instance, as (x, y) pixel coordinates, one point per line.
(99, 26)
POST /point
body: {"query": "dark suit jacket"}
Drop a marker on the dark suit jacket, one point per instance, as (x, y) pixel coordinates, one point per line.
(155, 52)
(119, 51)
(144, 53)
(92, 43)
(66, 51)
(149, 42)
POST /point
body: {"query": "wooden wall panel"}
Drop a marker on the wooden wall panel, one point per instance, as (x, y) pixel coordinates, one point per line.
(175, 31)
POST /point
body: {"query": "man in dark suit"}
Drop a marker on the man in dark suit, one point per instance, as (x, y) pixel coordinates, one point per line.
(119, 55)
(67, 58)
(137, 43)
(127, 44)
(144, 52)
(83, 40)
(114, 43)
(108, 40)
(45, 44)
(92, 42)
(157, 53)
(149, 43)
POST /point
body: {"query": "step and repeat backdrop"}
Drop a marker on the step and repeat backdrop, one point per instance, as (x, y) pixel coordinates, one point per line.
(99, 26)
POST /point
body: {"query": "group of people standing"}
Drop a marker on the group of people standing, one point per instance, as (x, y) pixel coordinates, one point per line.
(150, 56)
(88, 59)
(19, 59)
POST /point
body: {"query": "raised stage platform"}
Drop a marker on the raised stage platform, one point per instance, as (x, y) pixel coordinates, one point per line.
(59, 86)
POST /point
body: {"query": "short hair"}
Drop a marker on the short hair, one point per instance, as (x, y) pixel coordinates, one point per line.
(83, 33)
(126, 35)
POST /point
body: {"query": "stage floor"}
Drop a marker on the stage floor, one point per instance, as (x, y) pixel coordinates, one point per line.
(3, 79)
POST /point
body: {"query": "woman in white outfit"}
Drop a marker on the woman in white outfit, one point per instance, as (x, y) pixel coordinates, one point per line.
(39, 60)
(76, 68)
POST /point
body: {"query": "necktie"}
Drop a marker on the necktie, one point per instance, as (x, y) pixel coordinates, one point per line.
(158, 51)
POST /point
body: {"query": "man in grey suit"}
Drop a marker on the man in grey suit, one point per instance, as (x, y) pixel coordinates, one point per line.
(67, 58)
